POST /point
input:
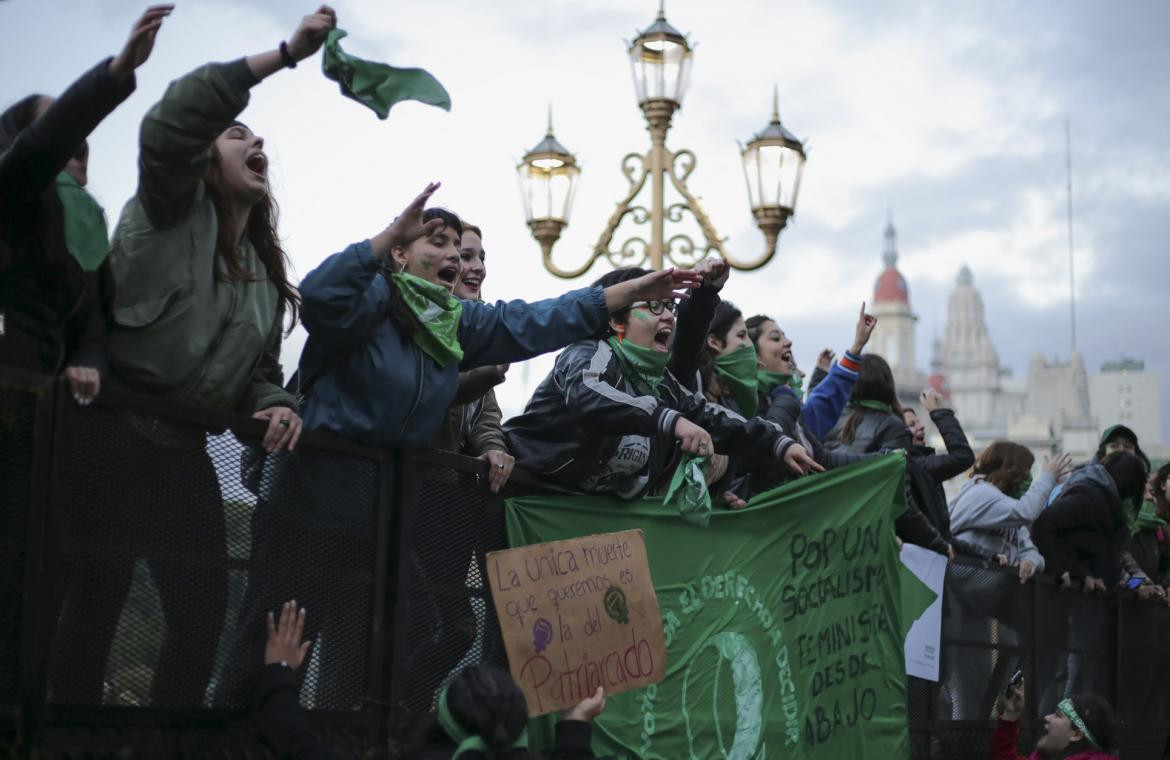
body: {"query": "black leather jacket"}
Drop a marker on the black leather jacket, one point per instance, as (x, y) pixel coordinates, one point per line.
(589, 428)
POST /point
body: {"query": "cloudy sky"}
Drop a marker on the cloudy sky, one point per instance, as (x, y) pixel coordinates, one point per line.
(948, 115)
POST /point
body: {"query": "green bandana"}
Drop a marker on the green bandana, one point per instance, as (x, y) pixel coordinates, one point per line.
(1070, 712)
(878, 406)
(688, 490)
(737, 371)
(1147, 518)
(768, 380)
(796, 383)
(378, 85)
(644, 366)
(438, 314)
(86, 235)
(1021, 488)
(467, 741)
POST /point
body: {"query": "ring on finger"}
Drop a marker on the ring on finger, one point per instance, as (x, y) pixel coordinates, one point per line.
(284, 423)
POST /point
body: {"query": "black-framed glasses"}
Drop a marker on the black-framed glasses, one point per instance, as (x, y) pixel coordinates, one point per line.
(656, 307)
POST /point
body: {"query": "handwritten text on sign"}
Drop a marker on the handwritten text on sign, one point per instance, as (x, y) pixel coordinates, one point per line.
(576, 615)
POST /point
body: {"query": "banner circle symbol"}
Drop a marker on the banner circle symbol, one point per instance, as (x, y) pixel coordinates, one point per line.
(748, 686)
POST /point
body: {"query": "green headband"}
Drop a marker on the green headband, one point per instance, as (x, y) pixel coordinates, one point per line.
(467, 741)
(1066, 707)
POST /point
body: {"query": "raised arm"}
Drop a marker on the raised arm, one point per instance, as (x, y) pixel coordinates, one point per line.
(958, 456)
(693, 320)
(343, 299)
(40, 152)
(178, 132)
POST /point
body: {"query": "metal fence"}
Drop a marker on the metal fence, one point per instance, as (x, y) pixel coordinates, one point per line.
(141, 542)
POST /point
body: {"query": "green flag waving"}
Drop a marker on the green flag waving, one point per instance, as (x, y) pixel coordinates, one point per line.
(782, 621)
(378, 85)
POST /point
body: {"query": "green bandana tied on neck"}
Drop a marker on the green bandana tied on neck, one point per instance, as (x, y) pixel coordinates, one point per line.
(438, 314)
(1070, 712)
(737, 371)
(378, 85)
(644, 366)
(1147, 518)
(767, 380)
(86, 235)
(1021, 488)
(688, 490)
(469, 742)
(877, 406)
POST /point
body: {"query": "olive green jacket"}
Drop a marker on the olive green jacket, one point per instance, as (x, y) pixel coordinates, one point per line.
(179, 330)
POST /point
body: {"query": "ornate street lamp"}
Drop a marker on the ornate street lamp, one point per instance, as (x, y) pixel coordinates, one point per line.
(772, 164)
(548, 176)
(660, 61)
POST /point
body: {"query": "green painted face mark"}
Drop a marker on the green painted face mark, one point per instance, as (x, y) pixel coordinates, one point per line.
(615, 605)
(643, 315)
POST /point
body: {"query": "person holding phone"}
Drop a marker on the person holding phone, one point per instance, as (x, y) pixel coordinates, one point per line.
(1080, 728)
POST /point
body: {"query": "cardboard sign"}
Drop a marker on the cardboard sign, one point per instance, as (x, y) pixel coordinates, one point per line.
(576, 615)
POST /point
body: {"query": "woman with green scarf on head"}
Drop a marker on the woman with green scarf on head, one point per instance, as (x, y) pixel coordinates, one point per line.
(611, 418)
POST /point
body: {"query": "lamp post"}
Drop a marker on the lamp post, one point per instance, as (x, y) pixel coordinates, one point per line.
(772, 164)
(660, 61)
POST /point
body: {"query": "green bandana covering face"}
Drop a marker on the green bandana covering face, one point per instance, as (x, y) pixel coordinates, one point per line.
(1070, 712)
(645, 366)
(1021, 488)
(688, 490)
(469, 742)
(1147, 518)
(86, 235)
(879, 406)
(378, 85)
(438, 313)
(737, 371)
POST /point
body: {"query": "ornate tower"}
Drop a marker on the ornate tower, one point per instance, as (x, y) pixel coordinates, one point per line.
(969, 361)
(893, 337)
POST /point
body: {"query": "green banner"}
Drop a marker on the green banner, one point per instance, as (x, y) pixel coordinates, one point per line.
(782, 621)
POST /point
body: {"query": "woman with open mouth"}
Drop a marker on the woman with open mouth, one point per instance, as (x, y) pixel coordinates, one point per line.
(201, 289)
(1081, 728)
(610, 417)
(473, 422)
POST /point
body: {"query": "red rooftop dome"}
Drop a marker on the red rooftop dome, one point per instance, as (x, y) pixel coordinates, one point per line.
(891, 286)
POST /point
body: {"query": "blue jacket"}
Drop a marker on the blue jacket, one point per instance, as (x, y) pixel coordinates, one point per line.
(385, 391)
(825, 402)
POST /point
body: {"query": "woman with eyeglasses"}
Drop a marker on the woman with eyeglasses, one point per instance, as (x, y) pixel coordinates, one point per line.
(610, 417)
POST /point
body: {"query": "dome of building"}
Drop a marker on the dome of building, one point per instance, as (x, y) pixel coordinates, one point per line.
(891, 286)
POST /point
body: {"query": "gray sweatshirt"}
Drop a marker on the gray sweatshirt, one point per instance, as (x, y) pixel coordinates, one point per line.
(984, 516)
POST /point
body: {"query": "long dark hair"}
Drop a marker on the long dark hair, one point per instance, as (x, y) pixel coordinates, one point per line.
(397, 310)
(1129, 474)
(57, 266)
(1004, 464)
(260, 229)
(875, 382)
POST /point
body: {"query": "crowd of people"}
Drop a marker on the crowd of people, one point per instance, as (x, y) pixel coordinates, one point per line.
(192, 296)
